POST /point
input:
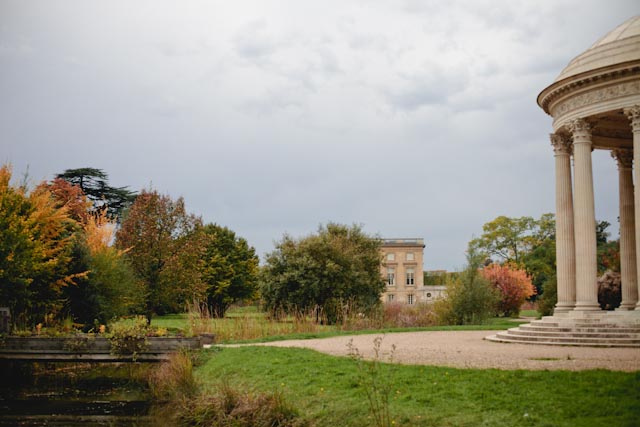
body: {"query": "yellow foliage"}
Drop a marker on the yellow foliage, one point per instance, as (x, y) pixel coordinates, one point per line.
(36, 247)
(99, 232)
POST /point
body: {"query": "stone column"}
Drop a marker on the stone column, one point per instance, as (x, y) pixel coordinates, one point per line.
(585, 219)
(627, 230)
(633, 114)
(565, 242)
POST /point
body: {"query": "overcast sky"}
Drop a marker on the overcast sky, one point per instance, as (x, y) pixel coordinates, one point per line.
(412, 118)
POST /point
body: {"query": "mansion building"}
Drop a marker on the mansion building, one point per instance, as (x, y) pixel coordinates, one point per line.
(403, 272)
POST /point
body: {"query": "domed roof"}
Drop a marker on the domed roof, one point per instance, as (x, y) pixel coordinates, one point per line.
(622, 44)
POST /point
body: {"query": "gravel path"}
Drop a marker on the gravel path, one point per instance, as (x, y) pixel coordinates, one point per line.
(467, 349)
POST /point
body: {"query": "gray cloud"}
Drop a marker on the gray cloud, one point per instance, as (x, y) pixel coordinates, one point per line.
(414, 119)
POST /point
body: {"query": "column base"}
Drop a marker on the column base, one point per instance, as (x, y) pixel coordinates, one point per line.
(626, 306)
(587, 306)
(563, 308)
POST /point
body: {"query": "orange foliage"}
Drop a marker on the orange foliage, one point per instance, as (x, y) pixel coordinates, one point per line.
(36, 239)
(71, 197)
(48, 222)
(514, 284)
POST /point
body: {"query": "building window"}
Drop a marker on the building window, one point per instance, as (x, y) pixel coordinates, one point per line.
(410, 299)
(391, 257)
(390, 298)
(410, 256)
(410, 277)
(391, 276)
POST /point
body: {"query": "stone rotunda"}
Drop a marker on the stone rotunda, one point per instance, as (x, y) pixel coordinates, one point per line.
(595, 105)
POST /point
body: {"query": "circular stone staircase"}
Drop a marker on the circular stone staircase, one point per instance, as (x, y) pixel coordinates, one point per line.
(587, 329)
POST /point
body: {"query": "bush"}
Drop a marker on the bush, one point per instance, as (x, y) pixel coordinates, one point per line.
(470, 299)
(232, 408)
(129, 336)
(549, 298)
(513, 284)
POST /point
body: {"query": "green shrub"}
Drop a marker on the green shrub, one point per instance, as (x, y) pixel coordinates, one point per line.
(549, 297)
(470, 299)
(129, 336)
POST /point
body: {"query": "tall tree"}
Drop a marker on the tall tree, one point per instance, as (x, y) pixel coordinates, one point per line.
(94, 183)
(336, 269)
(506, 239)
(157, 235)
(229, 268)
(35, 250)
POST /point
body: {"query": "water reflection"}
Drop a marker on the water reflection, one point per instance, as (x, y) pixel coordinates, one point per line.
(65, 394)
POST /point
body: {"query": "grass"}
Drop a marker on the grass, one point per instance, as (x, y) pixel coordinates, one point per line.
(247, 324)
(327, 389)
(530, 313)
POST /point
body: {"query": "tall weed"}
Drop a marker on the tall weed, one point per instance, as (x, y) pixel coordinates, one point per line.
(199, 319)
(229, 407)
(173, 380)
(377, 386)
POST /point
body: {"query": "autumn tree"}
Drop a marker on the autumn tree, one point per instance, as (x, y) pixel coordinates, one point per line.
(514, 286)
(72, 198)
(35, 250)
(157, 234)
(94, 183)
(229, 268)
(331, 271)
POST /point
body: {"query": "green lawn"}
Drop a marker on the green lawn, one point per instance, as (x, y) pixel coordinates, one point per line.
(327, 390)
(530, 313)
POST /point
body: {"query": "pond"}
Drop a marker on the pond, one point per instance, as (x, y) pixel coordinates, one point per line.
(73, 394)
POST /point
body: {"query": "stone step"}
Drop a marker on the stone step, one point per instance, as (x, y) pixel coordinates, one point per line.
(579, 329)
(589, 329)
(574, 334)
(506, 339)
(582, 325)
(512, 335)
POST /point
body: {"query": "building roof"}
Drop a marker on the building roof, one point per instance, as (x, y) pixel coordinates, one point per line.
(403, 242)
(622, 44)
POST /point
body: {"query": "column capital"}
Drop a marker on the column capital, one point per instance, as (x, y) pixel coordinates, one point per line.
(624, 157)
(561, 144)
(633, 113)
(580, 128)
